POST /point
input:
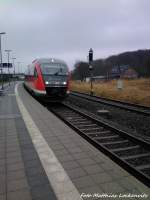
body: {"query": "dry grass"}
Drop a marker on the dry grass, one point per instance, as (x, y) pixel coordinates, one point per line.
(134, 91)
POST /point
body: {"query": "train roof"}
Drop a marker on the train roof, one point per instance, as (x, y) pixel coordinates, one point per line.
(48, 60)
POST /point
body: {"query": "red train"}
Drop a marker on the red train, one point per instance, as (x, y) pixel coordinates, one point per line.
(48, 79)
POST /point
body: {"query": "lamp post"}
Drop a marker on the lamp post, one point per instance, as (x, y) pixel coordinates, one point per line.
(8, 51)
(2, 33)
(91, 68)
(18, 66)
(14, 67)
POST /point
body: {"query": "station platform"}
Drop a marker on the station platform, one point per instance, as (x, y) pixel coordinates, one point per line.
(41, 158)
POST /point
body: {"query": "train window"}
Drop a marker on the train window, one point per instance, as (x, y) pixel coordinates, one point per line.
(35, 73)
(54, 69)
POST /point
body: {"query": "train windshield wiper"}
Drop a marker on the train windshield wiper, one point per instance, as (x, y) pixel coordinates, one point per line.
(58, 71)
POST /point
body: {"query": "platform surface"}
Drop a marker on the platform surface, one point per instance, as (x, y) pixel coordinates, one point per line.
(42, 158)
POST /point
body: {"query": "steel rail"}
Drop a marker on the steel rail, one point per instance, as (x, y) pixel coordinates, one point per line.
(73, 116)
(115, 103)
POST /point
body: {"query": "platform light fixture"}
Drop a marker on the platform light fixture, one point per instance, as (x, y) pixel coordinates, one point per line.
(1, 66)
(14, 67)
(8, 54)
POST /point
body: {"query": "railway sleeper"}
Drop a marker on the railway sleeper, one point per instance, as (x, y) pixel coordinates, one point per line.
(101, 133)
(146, 171)
(115, 142)
(106, 137)
(72, 118)
(90, 130)
(126, 148)
(84, 123)
(87, 126)
(131, 151)
(101, 141)
(118, 144)
(139, 160)
(143, 167)
(136, 156)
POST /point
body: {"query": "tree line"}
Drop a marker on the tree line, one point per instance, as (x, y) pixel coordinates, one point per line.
(138, 60)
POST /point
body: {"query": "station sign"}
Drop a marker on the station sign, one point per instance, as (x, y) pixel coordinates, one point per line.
(6, 65)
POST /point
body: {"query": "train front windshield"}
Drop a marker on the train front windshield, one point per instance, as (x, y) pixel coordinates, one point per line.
(54, 69)
(54, 72)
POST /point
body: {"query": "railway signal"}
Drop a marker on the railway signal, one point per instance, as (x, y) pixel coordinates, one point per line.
(91, 68)
(90, 55)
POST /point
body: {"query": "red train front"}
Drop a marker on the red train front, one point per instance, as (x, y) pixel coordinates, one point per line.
(48, 79)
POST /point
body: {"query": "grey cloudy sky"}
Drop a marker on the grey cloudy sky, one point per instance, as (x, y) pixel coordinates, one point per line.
(66, 29)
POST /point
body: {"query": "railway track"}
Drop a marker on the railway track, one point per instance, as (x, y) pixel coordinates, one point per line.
(115, 103)
(129, 152)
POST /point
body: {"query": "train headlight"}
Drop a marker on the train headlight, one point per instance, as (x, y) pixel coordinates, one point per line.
(46, 82)
(64, 82)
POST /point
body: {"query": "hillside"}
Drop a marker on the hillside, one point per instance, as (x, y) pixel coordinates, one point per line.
(138, 60)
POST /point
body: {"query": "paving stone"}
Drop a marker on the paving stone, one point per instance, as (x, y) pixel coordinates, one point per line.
(2, 184)
(65, 158)
(32, 163)
(65, 141)
(2, 154)
(70, 165)
(25, 142)
(17, 185)
(13, 155)
(30, 157)
(92, 193)
(2, 169)
(93, 169)
(34, 171)
(15, 175)
(15, 166)
(70, 145)
(75, 150)
(38, 180)
(2, 162)
(112, 187)
(57, 147)
(61, 152)
(42, 192)
(30, 151)
(19, 195)
(79, 156)
(118, 173)
(101, 177)
(76, 173)
(13, 145)
(86, 161)
(91, 190)
(83, 182)
(55, 143)
(2, 197)
(13, 149)
(14, 160)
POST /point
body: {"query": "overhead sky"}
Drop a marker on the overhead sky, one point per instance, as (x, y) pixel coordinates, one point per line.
(67, 29)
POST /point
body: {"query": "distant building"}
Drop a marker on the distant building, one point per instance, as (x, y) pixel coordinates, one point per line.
(130, 73)
(124, 71)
